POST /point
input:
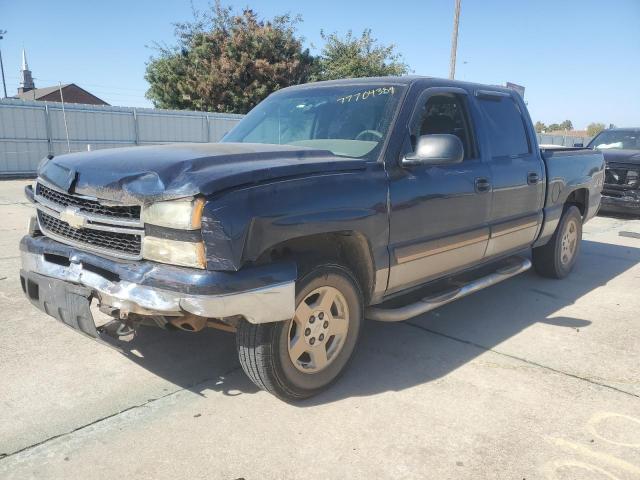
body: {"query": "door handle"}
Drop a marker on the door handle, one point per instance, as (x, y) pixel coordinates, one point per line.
(482, 185)
(532, 178)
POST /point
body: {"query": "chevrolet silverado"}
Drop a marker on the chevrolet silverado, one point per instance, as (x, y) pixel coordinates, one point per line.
(329, 203)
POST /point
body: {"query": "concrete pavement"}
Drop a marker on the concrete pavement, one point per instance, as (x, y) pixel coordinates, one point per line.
(532, 378)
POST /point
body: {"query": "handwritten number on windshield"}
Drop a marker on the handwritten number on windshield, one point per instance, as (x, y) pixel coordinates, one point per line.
(374, 92)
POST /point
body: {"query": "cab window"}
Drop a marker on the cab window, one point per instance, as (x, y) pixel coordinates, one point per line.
(444, 113)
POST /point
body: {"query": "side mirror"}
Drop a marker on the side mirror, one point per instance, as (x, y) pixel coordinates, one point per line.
(436, 149)
(578, 145)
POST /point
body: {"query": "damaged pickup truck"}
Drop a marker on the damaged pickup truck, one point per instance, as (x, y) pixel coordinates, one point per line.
(621, 150)
(328, 203)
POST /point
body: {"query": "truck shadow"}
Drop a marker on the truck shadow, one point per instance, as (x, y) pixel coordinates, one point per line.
(396, 356)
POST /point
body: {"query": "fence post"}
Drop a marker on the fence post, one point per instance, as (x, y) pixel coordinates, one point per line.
(47, 123)
(135, 126)
(208, 129)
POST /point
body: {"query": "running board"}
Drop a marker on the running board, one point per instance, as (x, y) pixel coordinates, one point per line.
(429, 303)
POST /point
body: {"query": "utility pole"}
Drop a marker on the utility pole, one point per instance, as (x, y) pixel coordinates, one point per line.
(454, 41)
(4, 84)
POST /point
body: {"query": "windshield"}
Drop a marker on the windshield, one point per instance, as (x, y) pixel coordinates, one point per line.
(350, 121)
(617, 139)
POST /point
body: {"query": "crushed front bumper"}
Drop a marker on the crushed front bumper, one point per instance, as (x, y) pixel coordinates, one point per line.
(55, 276)
(627, 202)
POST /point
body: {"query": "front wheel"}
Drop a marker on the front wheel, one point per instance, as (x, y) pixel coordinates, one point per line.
(302, 356)
(557, 258)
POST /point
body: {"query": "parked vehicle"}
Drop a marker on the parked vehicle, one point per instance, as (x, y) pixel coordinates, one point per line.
(621, 150)
(328, 203)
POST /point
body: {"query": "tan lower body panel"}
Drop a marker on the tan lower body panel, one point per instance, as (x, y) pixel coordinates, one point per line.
(421, 261)
(513, 234)
(428, 259)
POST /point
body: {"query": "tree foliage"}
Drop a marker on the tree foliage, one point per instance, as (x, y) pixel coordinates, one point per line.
(357, 56)
(566, 125)
(227, 62)
(594, 128)
(554, 127)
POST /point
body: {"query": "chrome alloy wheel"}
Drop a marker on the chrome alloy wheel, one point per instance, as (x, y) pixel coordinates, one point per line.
(569, 242)
(318, 330)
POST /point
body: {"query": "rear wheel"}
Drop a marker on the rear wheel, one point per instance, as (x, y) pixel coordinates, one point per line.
(557, 258)
(302, 356)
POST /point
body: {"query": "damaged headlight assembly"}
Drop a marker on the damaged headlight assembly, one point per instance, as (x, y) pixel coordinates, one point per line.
(184, 217)
(182, 214)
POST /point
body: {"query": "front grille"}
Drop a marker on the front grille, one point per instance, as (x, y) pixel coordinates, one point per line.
(621, 177)
(86, 205)
(109, 242)
(615, 176)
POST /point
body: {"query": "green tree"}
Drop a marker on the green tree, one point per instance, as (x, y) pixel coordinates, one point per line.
(227, 62)
(357, 56)
(540, 127)
(554, 127)
(566, 125)
(594, 128)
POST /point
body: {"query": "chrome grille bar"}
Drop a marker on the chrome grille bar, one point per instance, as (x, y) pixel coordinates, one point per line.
(104, 234)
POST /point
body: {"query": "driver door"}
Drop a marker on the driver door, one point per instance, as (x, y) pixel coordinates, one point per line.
(439, 213)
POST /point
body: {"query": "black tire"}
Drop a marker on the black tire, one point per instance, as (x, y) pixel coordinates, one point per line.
(549, 259)
(263, 349)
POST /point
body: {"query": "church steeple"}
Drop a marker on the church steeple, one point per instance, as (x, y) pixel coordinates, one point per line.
(26, 79)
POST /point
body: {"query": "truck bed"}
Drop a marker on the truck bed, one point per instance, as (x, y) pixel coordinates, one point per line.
(570, 171)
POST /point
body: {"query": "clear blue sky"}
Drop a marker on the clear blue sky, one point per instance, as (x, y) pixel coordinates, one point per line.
(578, 59)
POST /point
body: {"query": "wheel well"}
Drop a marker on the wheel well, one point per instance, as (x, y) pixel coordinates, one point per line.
(349, 249)
(580, 199)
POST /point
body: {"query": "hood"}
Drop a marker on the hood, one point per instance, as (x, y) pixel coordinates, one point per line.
(164, 172)
(616, 155)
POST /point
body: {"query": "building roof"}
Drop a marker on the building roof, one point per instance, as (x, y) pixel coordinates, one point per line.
(37, 93)
(25, 65)
(41, 93)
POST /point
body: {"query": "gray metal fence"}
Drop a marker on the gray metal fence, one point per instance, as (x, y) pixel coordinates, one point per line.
(564, 140)
(29, 131)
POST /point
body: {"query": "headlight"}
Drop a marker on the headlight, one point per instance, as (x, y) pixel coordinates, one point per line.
(174, 252)
(183, 214)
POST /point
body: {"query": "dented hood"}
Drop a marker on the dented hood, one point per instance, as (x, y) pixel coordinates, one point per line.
(616, 155)
(163, 172)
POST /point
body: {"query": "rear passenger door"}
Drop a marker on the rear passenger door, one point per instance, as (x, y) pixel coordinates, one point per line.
(517, 172)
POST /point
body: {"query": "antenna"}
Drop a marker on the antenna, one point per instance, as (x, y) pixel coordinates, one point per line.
(64, 116)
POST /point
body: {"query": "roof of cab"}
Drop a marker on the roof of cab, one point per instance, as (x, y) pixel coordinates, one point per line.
(398, 80)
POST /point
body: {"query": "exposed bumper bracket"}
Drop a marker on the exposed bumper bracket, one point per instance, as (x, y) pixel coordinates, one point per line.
(274, 302)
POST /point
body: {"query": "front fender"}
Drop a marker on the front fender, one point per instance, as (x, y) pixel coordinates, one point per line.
(242, 224)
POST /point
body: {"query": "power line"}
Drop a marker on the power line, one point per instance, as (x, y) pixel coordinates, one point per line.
(92, 85)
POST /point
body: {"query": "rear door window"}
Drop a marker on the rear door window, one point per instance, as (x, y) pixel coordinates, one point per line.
(505, 126)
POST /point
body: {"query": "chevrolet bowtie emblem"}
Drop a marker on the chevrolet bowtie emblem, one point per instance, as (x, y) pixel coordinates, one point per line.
(73, 217)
